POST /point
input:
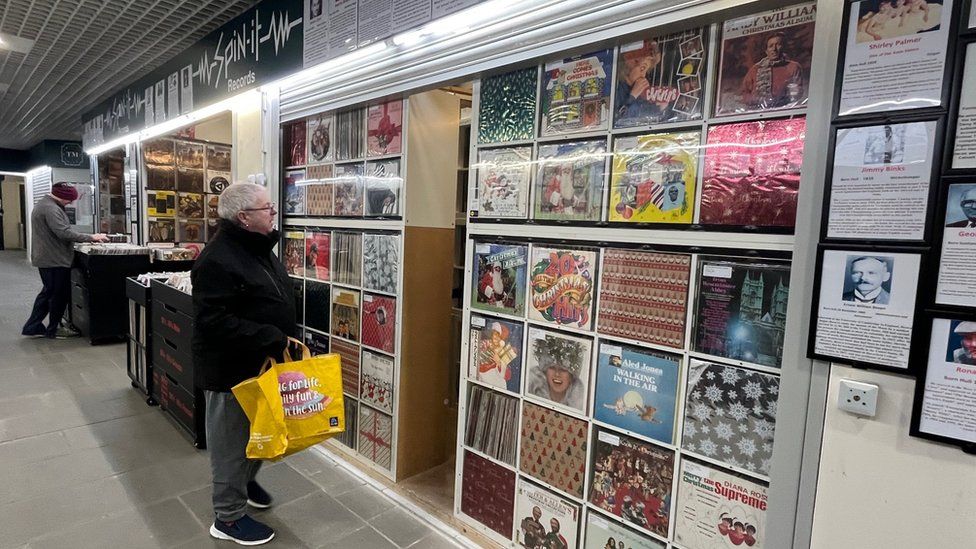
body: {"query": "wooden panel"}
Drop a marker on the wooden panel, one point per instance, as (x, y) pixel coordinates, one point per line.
(432, 159)
(426, 362)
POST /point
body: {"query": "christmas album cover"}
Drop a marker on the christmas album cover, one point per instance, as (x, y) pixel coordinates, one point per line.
(499, 278)
(604, 533)
(294, 256)
(381, 262)
(553, 448)
(644, 296)
(295, 192)
(488, 493)
(345, 313)
(383, 185)
(558, 367)
(631, 478)
(375, 436)
(562, 286)
(379, 322)
(637, 390)
(576, 93)
(507, 108)
(717, 509)
(294, 144)
(661, 79)
(730, 415)
(318, 254)
(348, 189)
(492, 423)
(384, 128)
(503, 182)
(376, 383)
(495, 347)
(319, 191)
(569, 181)
(320, 138)
(741, 309)
(654, 178)
(752, 173)
(544, 519)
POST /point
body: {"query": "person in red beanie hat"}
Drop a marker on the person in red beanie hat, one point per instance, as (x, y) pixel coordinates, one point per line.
(52, 253)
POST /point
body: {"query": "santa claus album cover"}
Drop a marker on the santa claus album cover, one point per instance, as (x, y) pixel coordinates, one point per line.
(654, 178)
(604, 533)
(379, 322)
(345, 313)
(558, 368)
(381, 263)
(495, 347)
(348, 189)
(644, 296)
(320, 138)
(562, 286)
(717, 509)
(661, 79)
(637, 390)
(384, 128)
(741, 309)
(488, 493)
(347, 249)
(576, 93)
(544, 519)
(383, 186)
(752, 173)
(492, 423)
(499, 278)
(318, 254)
(569, 181)
(730, 415)
(503, 182)
(376, 384)
(553, 448)
(632, 479)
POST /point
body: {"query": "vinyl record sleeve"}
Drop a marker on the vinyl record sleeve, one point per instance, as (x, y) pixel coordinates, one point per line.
(376, 436)
(376, 384)
(384, 128)
(499, 278)
(161, 178)
(558, 368)
(350, 435)
(576, 93)
(562, 286)
(558, 522)
(217, 181)
(189, 155)
(491, 424)
(553, 448)
(190, 231)
(321, 138)
(294, 257)
(190, 205)
(379, 322)
(161, 152)
(189, 180)
(719, 509)
(488, 493)
(603, 533)
(162, 230)
(298, 292)
(503, 182)
(218, 158)
(569, 181)
(318, 252)
(349, 359)
(654, 178)
(631, 479)
(320, 192)
(317, 305)
(644, 296)
(348, 188)
(350, 134)
(507, 106)
(294, 144)
(347, 257)
(161, 203)
(381, 262)
(318, 344)
(295, 192)
(345, 313)
(495, 347)
(661, 79)
(383, 187)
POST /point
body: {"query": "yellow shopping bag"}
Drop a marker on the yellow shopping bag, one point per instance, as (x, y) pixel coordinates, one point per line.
(292, 405)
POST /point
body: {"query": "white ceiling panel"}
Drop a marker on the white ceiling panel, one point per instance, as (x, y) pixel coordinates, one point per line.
(83, 51)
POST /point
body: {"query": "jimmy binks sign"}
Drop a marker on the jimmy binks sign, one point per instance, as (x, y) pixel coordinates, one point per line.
(257, 47)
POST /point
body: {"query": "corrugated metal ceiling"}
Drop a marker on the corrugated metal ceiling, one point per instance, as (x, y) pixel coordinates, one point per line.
(86, 49)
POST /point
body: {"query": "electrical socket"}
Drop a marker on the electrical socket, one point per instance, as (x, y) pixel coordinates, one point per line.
(858, 398)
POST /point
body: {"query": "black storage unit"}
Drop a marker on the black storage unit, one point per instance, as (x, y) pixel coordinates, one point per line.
(171, 360)
(99, 308)
(138, 344)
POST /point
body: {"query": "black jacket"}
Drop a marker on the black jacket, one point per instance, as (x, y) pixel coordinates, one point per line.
(243, 307)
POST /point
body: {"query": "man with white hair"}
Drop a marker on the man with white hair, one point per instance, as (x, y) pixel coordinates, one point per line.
(244, 312)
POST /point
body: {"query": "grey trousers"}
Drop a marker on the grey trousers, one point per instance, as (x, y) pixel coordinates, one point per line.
(227, 433)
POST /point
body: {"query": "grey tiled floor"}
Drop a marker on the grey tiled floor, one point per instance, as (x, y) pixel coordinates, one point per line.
(85, 463)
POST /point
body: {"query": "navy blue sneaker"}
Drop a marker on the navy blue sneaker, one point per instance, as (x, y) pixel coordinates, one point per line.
(243, 531)
(257, 497)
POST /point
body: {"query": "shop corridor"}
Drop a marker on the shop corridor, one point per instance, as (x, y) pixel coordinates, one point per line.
(85, 463)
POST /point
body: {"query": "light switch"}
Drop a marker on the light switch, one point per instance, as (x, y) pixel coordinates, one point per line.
(858, 398)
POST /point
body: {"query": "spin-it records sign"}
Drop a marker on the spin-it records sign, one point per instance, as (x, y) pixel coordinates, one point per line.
(255, 48)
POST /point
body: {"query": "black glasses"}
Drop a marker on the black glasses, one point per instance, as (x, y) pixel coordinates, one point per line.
(272, 206)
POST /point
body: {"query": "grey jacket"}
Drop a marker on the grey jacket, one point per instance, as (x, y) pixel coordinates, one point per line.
(51, 235)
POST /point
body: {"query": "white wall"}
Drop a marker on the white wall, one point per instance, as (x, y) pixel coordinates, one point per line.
(879, 487)
(216, 129)
(248, 156)
(11, 211)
